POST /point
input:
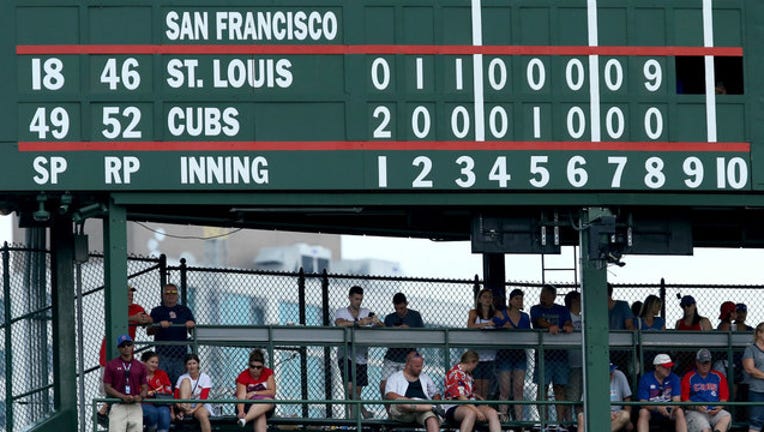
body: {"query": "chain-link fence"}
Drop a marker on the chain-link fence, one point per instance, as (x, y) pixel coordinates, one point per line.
(247, 297)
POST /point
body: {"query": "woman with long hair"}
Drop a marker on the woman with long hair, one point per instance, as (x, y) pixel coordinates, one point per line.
(482, 318)
(255, 383)
(156, 416)
(648, 315)
(195, 384)
(512, 364)
(692, 319)
(460, 386)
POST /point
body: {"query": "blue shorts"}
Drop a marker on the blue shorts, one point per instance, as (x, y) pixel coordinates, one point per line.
(555, 371)
(509, 360)
(484, 371)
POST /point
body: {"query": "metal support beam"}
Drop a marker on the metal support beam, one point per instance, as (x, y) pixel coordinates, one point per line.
(595, 326)
(494, 275)
(115, 275)
(64, 347)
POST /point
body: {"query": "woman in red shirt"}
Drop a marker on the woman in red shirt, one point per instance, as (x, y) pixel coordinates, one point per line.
(156, 416)
(460, 386)
(255, 383)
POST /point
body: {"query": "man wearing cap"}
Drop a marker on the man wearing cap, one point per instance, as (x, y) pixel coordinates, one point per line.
(727, 314)
(620, 416)
(172, 322)
(741, 312)
(707, 386)
(125, 379)
(413, 384)
(662, 385)
(136, 317)
(402, 318)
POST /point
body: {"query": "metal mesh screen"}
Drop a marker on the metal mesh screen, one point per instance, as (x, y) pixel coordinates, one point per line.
(239, 297)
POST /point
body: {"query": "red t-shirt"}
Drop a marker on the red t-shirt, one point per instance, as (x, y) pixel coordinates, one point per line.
(131, 327)
(252, 384)
(160, 382)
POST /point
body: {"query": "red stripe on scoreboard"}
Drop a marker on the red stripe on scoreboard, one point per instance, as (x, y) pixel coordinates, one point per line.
(382, 49)
(148, 146)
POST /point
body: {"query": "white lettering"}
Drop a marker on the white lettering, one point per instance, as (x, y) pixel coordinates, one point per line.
(187, 26)
(224, 170)
(206, 121)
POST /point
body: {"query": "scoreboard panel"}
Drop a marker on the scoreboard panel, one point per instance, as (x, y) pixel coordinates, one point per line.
(383, 95)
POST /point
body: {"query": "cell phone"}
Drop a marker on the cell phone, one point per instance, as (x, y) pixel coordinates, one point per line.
(371, 314)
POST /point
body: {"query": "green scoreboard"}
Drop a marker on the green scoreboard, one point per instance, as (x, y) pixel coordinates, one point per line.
(382, 95)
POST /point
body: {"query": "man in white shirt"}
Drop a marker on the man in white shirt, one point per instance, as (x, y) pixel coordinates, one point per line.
(412, 384)
(355, 316)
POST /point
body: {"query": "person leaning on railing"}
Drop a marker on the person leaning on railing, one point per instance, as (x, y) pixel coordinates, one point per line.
(753, 363)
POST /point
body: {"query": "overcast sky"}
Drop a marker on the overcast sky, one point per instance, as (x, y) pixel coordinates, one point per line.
(426, 258)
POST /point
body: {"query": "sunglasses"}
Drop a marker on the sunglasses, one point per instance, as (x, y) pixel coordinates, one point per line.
(170, 292)
(125, 344)
(255, 366)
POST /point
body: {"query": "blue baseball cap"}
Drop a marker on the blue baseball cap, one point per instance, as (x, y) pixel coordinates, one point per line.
(741, 307)
(123, 339)
(613, 367)
(687, 300)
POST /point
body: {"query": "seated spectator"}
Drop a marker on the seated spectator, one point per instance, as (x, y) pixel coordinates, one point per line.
(649, 319)
(459, 386)
(727, 314)
(620, 416)
(255, 383)
(195, 384)
(412, 384)
(661, 385)
(707, 386)
(156, 416)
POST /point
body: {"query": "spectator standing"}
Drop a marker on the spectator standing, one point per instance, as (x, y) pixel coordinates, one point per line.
(156, 416)
(620, 415)
(548, 315)
(661, 385)
(727, 314)
(255, 383)
(482, 318)
(740, 378)
(575, 356)
(136, 317)
(413, 384)
(402, 318)
(172, 322)
(355, 316)
(512, 364)
(125, 378)
(460, 386)
(649, 319)
(196, 385)
(753, 363)
(741, 313)
(707, 386)
(619, 313)
(691, 319)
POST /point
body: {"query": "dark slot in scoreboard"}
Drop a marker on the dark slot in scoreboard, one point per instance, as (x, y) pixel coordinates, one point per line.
(391, 95)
